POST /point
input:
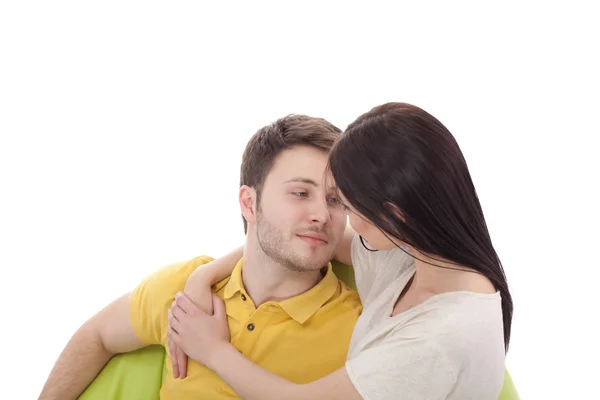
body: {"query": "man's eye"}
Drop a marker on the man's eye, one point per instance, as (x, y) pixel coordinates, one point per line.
(300, 194)
(337, 202)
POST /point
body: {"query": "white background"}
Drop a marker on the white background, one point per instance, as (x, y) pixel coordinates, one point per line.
(122, 127)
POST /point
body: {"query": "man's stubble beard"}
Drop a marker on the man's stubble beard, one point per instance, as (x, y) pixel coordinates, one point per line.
(274, 246)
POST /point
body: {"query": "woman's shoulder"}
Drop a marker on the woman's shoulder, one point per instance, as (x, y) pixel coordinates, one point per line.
(365, 258)
(458, 318)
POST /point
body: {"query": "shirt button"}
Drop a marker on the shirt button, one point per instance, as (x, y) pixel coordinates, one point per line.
(250, 327)
(243, 297)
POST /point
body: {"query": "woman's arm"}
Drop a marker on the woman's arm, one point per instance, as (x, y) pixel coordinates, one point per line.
(250, 381)
(205, 338)
(199, 282)
(197, 289)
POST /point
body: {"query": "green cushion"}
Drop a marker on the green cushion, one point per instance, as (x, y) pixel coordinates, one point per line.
(138, 375)
(509, 391)
(344, 273)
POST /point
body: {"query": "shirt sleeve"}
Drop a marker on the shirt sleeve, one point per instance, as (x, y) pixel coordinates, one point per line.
(404, 369)
(152, 298)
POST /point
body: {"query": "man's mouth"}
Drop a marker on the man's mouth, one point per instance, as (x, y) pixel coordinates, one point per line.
(316, 239)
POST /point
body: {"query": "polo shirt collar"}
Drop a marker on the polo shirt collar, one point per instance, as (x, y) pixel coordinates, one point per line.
(300, 307)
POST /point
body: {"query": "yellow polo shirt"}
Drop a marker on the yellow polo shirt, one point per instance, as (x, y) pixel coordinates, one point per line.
(301, 339)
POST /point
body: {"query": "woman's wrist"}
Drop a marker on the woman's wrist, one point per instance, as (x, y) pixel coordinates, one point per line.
(203, 277)
(220, 357)
(212, 274)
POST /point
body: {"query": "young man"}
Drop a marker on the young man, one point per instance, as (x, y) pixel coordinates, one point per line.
(286, 310)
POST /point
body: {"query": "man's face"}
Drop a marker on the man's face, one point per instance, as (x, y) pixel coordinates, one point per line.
(299, 223)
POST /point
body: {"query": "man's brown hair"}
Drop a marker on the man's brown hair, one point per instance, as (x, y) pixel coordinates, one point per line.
(268, 142)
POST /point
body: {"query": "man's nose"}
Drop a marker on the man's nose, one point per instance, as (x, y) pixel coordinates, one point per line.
(319, 211)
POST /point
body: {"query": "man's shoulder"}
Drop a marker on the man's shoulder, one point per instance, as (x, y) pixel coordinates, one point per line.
(345, 298)
(173, 277)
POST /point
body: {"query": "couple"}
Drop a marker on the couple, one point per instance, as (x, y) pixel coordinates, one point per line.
(434, 315)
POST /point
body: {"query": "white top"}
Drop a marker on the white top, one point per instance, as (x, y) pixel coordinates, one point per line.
(449, 347)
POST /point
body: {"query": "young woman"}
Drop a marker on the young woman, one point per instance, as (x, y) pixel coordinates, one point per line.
(437, 310)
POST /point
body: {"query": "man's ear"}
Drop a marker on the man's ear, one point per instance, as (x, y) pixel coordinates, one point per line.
(247, 198)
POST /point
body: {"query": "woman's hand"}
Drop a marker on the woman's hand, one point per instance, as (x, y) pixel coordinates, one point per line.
(200, 335)
(197, 288)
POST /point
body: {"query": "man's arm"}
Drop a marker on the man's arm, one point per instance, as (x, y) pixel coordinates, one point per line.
(105, 334)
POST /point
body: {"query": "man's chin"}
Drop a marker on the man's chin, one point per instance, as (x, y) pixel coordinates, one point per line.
(310, 261)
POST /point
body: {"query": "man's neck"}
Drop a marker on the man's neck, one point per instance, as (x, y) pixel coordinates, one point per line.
(266, 280)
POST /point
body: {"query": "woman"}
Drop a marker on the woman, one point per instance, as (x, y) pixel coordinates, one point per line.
(436, 328)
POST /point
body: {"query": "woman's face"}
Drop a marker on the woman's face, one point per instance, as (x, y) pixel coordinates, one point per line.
(365, 228)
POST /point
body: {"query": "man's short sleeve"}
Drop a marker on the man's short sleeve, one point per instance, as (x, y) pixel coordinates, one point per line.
(152, 298)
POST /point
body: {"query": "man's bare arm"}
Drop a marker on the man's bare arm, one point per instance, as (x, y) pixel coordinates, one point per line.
(105, 334)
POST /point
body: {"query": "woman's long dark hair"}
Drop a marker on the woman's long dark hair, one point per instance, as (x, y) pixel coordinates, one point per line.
(399, 167)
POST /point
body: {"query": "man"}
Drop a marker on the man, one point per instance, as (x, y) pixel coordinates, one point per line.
(286, 311)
